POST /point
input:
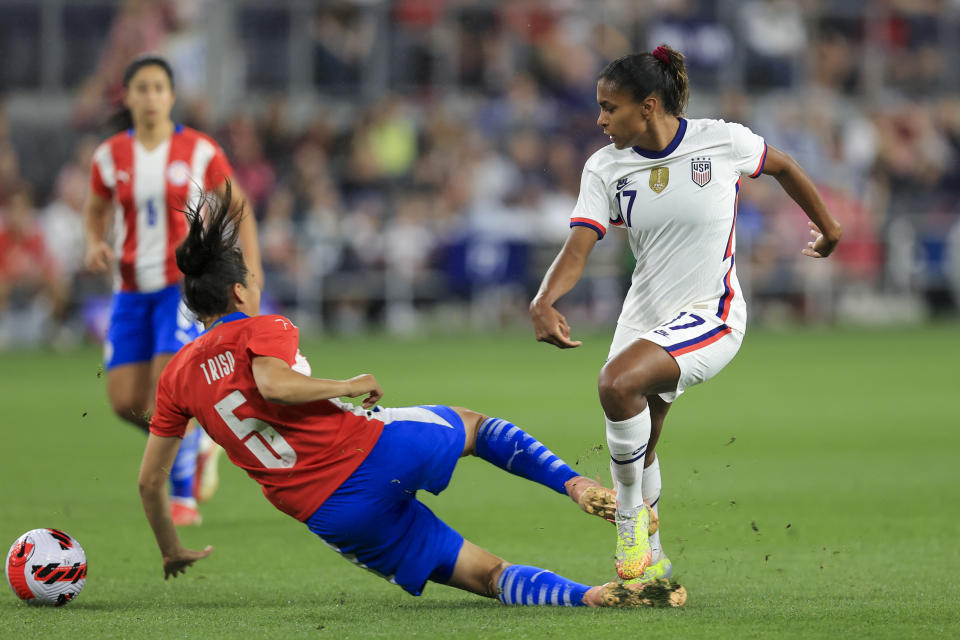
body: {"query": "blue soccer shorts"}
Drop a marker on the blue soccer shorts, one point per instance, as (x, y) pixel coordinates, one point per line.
(143, 325)
(374, 518)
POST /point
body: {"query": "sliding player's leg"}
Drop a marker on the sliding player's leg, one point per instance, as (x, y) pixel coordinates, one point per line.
(374, 520)
(398, 538)
(509, 447)
(481, 572)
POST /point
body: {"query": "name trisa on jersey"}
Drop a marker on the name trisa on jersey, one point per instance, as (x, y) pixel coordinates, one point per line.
(219, 366)
(223, 364)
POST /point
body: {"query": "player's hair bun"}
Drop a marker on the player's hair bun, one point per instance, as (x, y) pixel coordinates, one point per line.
(194, 257)
(663, 71)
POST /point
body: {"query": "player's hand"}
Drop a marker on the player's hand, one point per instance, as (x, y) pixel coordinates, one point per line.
(99, 257)
(821, 246)
(364, 384)
(177, 563)
(550, 326)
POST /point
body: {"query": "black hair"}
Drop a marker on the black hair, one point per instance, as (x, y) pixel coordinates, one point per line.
(123, 119)
(209, 257)
(146, 60)
(663, 72)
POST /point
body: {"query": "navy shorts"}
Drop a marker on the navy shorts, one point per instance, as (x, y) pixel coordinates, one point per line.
(374, 518)
(143, 325)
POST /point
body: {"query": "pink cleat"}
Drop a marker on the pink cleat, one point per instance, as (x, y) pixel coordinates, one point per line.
(184, 512)
(206, 479)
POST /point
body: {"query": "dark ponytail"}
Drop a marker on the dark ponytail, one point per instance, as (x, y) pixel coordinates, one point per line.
(123, 119)
(663, 72)
(209, 257)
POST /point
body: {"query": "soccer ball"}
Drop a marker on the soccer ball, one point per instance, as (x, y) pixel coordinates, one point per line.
(46, 567)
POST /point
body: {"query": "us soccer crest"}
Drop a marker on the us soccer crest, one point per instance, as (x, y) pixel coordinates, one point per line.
(700, 171)
(659, 177)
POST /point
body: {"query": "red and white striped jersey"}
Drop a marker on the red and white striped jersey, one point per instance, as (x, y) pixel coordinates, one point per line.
(151, 189)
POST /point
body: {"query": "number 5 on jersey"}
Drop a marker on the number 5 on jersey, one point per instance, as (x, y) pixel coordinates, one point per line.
(259, 437)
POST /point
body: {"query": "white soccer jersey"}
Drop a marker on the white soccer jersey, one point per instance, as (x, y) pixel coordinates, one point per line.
(679, 207)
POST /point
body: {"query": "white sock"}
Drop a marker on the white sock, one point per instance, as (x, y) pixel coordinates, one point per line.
(651, 495)
(627, 442)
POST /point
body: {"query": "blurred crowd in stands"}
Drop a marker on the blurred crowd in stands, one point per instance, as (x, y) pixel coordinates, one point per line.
(433, 174)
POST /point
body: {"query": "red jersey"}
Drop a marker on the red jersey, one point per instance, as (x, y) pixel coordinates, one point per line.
(300, 453)
(151, 189)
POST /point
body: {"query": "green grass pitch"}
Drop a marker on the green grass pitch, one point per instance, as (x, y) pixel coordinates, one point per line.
(811, 490)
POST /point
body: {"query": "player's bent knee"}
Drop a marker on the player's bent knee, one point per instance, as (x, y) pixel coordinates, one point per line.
(618, 393)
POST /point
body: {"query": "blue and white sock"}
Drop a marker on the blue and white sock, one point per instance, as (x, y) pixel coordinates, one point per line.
(185, 466)
(524, 585)
(512, 449)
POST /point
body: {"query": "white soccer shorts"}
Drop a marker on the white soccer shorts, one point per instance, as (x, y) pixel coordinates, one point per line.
(700, 342)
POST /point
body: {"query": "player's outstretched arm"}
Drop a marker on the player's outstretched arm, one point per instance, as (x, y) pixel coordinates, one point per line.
(277, 382)
(249, 243)
(549, 325)
(157, 460)
(96, 215)
(824, 228)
